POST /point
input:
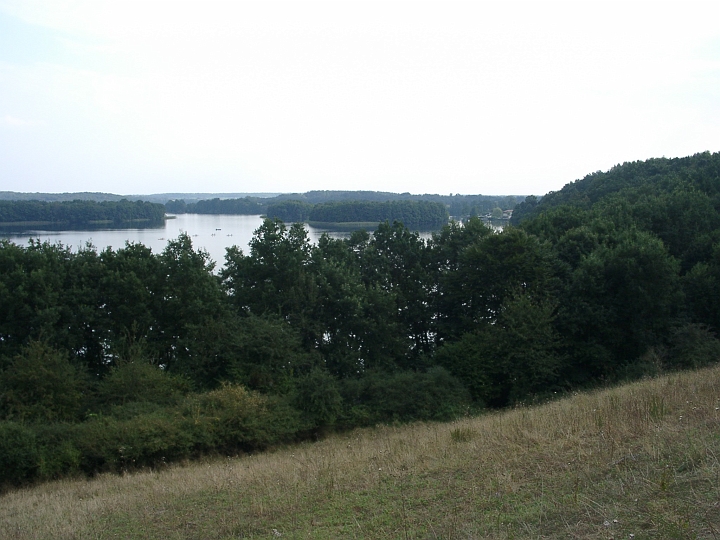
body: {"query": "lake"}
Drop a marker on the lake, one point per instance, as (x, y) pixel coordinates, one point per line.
(213, 233)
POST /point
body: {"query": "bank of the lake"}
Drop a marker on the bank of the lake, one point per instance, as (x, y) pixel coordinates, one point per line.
(211, 232)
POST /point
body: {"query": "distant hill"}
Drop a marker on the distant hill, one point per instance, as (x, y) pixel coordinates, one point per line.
(632, 182)
(58, 197)
(161, 198)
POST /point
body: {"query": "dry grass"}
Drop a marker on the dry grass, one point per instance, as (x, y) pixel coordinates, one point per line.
(637, 460)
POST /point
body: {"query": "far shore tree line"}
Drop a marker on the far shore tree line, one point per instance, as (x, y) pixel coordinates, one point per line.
(424, 212)
(80, 212)
(415, 211)
(117, 359)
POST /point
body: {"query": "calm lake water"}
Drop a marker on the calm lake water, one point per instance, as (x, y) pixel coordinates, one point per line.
(213, 233)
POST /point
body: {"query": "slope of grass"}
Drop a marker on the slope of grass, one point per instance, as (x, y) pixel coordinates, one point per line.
(638, 461)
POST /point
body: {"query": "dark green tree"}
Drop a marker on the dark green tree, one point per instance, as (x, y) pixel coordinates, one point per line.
(622, 299)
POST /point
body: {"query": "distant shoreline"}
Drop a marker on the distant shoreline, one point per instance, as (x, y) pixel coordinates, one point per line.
(344, 225)
(75, 224)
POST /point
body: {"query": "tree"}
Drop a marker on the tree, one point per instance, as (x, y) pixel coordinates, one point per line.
(621, 300)
(485, 272)
(273, 278)
(188, 294)
(397, 263)
(31, 287)
(517, 356)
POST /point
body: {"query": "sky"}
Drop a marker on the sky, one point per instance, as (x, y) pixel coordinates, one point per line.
(495, 98)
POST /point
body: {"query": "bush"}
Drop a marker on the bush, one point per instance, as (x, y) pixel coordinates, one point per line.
(41, 384)
(109, 444)
(19, 453)
(693, 346)
(318, 396)
(59, 455)
(233, 418)
(140, 381)
(404, 397)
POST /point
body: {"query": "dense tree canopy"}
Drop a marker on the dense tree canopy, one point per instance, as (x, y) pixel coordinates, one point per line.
(414, 214)
(80, 212)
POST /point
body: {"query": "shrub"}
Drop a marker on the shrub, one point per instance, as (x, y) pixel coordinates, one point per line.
(140, 381)
(41, 384)
(404, 397)
(58, 453)
(234, 418)
(318, 396)
(19, 453)
(693, 346)
(109, 444)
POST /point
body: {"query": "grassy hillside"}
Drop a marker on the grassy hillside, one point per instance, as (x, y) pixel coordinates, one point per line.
(638, 461)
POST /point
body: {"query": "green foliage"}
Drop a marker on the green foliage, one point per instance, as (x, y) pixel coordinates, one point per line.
(515, 357)
(675, 199)
(396, 262)
(139, 381)
(188, 294)
(623, 298)
(693, 346)
(484, 272)
(110, 444)
(247, 206)
(403, 396)
(81, 212)
(376, 205)
(19, 453)
(32, 300)
(413, 214)
(271, 356)
(615, 276)
(229, 419)
(234, 418)
(272, 279)
(635, 179)
(58, 454)
(41, 385)
(702, 290)
(289, 211)
(317, 395)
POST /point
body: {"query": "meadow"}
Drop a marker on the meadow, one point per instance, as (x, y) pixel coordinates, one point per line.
(633, 461)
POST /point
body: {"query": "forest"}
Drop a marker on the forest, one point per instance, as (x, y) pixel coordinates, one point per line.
(349, 206)
(413, 214)
(250, 206)
(297, 204)
(80, 212)
(125, 358)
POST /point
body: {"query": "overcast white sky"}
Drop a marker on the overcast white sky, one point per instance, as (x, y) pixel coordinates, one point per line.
(479, 97)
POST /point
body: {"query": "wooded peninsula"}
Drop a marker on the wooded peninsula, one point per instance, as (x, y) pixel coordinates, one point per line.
(80, 212)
